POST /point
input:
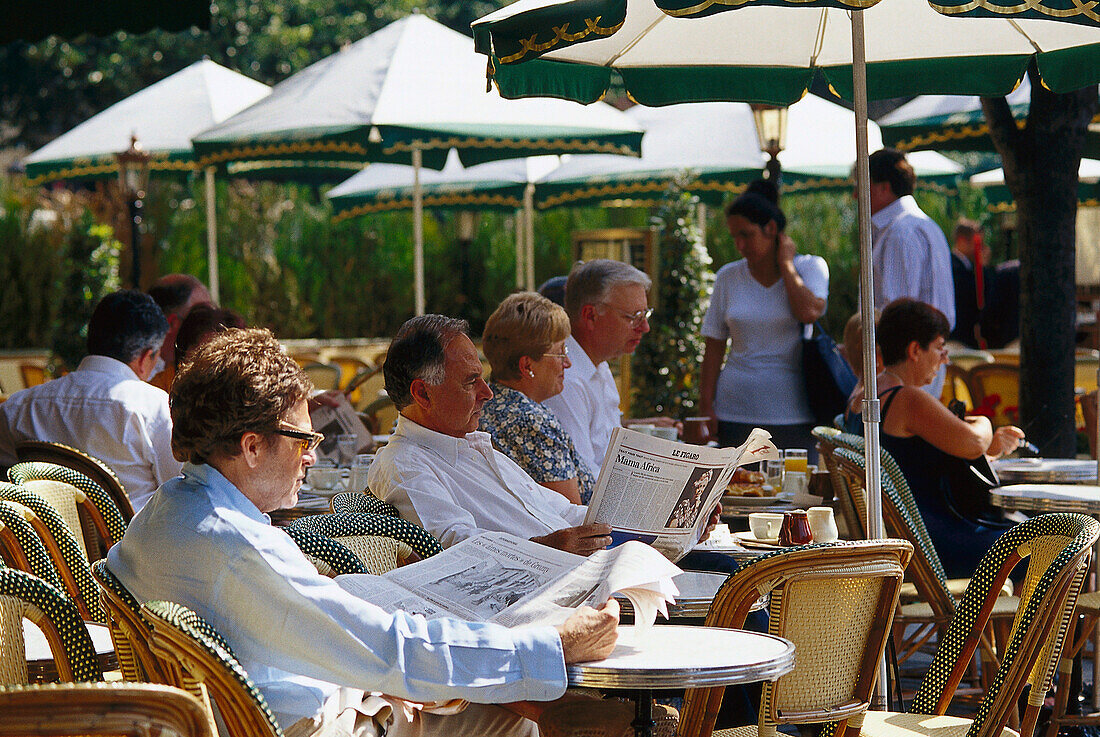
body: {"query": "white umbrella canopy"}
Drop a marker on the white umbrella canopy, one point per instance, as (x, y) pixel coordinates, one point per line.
(408, 93)
(164, 116)
(819, 153)
(761, 53)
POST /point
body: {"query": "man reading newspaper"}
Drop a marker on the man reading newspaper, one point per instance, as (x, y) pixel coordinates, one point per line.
(444, 475)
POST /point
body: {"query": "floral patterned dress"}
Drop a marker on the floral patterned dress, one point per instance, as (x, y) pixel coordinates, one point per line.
(531, 435)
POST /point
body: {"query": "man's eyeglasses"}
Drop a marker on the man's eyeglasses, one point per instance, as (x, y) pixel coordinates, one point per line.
(307, 441)
(563, 355)
(636, 318)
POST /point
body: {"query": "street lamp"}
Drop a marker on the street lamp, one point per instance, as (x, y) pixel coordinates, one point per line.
(133, 176)
(771, 132)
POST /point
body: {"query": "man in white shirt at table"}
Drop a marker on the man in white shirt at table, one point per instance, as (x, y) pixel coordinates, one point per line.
(105, 407)
(440, 471)
(205, 541)
(608, 314)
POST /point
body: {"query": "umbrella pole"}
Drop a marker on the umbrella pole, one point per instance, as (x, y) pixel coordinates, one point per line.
(529, 227)
(872, 462)
(212, 235)
(521, 250)
(418, 231)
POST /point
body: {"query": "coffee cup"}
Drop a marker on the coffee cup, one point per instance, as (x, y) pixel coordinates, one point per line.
(765, 525)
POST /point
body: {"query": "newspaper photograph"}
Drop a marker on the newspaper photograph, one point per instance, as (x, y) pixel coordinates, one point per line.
(500, 578)
(661, 492)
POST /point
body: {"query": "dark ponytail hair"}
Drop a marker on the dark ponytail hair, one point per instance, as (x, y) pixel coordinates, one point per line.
(759, 204)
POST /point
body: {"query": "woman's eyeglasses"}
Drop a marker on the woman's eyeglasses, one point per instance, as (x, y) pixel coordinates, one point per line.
(563, 355)
(307, 441)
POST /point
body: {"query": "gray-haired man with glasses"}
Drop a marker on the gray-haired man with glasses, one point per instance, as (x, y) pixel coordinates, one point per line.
(608, 314)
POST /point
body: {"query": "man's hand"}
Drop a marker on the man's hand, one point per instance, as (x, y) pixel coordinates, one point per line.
(582, 540)
(590, 634)
(715, 519)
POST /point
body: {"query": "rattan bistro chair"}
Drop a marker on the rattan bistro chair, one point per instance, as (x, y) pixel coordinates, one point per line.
(101, 709)
(78, 460)
(190, 650)
(71, 490)
(63, 547)
(25, 596)
(1057, 548)
(381, 542)
(361, 501)
(21, 547)
(130, 633)
(329, 557)
(835, 602)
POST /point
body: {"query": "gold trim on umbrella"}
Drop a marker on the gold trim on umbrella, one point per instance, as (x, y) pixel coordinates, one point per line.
(258, 150)
(430, 200)
(561, 35)
(1087, 9)
(509, 144)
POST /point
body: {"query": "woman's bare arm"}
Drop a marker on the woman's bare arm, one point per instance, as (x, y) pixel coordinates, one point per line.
(569, 488)
(713, 355)
(806, 306)
(915, 412)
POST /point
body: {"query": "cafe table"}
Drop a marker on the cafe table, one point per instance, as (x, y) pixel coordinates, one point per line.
(1044, 498)
(673, 657)
(1045, 471)
(41, 667)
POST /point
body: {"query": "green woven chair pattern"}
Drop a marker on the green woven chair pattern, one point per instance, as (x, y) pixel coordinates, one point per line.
(130, 633)
(362, 501)
(25, 595)
(25, 544)
(189, 639)
(107, 518)
(350, 524)
(78, 460)
(1057, 548)
(330, 552)
(83, 591)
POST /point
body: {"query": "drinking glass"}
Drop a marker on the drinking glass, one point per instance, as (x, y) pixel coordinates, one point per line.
(796, 460)
(346, 445)
(773, 472)
(359, 467)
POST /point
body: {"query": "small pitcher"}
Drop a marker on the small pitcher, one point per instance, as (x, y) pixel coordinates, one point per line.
(795, 529)
(696, 430)
(822, 524)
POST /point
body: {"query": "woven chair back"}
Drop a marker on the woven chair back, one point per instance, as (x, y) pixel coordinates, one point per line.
(20, 545)
(361, 501)
(187, 644)
(347, 526)
(101, 709)
(1003, 381)
(129, 631)
(902, 519)
(1057, 548)
(99, 520)
(852, 501)
(324, 376)
(63, 547)
(329, 557)
(835, 602)
(25, 596)
(78, 460)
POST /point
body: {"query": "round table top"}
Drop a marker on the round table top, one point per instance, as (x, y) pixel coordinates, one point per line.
(1047, 498)
(1045, 470)
(674, 656)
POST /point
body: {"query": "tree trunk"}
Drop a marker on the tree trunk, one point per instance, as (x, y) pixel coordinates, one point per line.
(1040, 163)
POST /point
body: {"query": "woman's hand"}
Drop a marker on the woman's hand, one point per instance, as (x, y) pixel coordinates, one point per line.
(1005, 440)
(785, 249)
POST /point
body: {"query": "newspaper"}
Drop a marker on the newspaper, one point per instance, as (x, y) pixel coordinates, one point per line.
(498, 577)
(661, 492)
(338, 420)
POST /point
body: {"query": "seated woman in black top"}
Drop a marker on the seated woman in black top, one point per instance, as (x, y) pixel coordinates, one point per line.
(931, 445)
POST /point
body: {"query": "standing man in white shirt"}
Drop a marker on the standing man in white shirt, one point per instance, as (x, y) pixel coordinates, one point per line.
(608, 314)
(105, 407)
(909, 252)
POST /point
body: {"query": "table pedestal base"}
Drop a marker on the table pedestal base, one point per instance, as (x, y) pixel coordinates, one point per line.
(643, 713)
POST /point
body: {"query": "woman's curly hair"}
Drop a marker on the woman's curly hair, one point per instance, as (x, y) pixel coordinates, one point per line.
(236, 382)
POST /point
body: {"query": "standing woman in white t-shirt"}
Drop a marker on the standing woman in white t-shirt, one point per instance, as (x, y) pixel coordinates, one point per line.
(757, 309)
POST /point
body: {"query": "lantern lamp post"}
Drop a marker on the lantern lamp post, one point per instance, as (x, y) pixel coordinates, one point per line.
(771, 131)
(133, 177)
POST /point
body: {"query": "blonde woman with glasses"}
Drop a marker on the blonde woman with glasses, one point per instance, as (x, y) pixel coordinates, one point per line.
(524, 342)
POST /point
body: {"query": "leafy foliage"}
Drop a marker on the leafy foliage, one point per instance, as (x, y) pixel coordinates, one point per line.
(665, 362)
(90, 273)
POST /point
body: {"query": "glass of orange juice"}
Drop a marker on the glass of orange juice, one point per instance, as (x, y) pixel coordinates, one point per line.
(795, 460)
